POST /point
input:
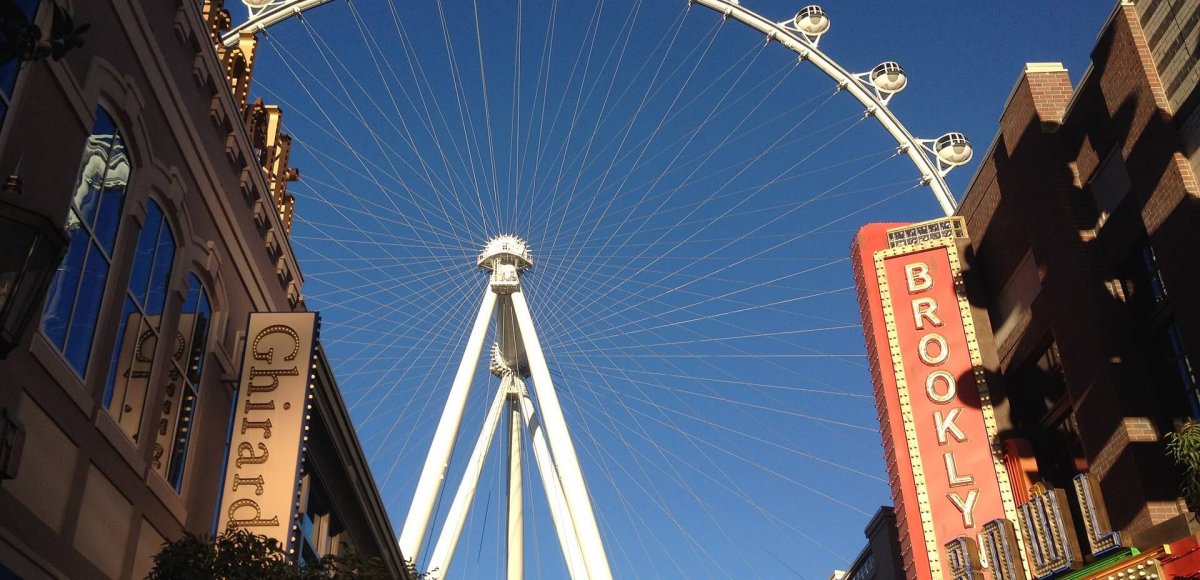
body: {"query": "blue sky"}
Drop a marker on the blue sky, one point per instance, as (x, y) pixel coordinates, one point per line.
(689, 194)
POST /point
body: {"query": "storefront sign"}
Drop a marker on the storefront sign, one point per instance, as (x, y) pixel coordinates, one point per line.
(936, 416)
(272, 406)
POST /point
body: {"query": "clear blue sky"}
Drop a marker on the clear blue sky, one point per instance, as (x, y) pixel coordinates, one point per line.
(690, 195)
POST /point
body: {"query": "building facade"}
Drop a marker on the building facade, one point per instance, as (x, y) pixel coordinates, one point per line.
(172, 188)
(1079, 265)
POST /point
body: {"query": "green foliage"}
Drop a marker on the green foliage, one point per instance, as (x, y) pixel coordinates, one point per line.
(238, 554)
(1183, 446)
(26, 41)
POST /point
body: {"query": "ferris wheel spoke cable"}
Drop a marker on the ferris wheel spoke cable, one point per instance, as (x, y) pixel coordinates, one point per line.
(407, 137)
(406, 133)
(705, 45)
(653, 186)
(694, 232)
(674, 101)
(656, 498)
(778, 217)
(664, 454)
(351, 105)
(465, 121)
(330, 126)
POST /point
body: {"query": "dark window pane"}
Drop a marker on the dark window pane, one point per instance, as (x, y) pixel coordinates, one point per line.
(112, 197)
(143, 258)
(136, 355)
(87, 310)
(183, 430)
(161, 276)
(200, 339)
(127, 313)
(8, 77)
(61, 296)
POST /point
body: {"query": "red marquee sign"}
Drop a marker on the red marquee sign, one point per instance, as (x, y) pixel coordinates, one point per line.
(948, 479)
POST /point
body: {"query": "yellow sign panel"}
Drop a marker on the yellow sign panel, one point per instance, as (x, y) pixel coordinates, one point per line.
(263, 470)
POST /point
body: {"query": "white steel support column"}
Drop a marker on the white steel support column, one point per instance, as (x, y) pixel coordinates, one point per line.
(434, 472)
(516, 507)
(574, 487)
(516, 356)
(443, 551)
(559, 513)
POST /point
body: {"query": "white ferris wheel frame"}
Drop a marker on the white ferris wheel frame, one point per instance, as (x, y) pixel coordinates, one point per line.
(265, 13)
(547, 431)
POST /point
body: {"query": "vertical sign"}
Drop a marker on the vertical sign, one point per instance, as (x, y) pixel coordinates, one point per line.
(935, 415)
(263, 471)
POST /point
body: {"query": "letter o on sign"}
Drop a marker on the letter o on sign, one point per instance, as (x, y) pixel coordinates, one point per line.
(931, 387)
(923, 349)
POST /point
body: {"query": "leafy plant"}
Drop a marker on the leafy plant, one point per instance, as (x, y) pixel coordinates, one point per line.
(23, 40)
(1183, 446)
(237, 554)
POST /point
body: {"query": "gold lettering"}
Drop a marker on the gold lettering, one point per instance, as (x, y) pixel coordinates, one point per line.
(1000, 548)
(257, 482)
(1049, 533)
(1101, 537)
(274, 374)
(264, 425)
(257, 520)
(917, 276)
(946, 425)
(267, 406)
(923, 349)
(952, 472)
(269, 355)
(925, 309)
(966, 506)
(964, 559)
(931, 387)
(245, 454)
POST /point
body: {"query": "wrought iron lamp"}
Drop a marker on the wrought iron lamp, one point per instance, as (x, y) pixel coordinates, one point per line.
(31, 247)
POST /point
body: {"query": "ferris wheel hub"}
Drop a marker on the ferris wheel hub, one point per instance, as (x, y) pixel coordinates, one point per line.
(506, 256)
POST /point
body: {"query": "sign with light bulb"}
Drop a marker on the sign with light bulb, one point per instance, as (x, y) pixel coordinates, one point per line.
(272, 409)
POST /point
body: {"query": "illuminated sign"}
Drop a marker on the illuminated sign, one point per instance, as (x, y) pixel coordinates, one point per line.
(1046, 525)
(271, 411)
(937, 420)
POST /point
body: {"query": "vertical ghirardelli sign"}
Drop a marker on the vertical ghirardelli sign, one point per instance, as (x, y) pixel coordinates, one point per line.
(262, 474)
(936, 417)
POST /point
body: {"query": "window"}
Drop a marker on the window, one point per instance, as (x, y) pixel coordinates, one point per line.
(131, 369)
(10, 69)
(183, 385)
(1012, 305)
(1109, 185)
(73, 302)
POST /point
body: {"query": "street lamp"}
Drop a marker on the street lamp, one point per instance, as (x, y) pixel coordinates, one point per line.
(31, 247)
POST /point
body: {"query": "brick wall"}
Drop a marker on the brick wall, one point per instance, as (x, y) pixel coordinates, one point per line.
(1033, 193)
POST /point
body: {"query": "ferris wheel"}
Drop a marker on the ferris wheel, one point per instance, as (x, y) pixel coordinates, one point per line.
(656, 203)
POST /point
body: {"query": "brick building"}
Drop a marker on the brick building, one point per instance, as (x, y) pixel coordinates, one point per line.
(1081, 230)
(1085, 217)
(173, 191)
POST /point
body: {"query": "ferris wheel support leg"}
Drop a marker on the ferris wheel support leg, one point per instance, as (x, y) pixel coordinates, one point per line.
(433, 474)
(439, 562)
(574, 487)
(516, 507)
(563, 525)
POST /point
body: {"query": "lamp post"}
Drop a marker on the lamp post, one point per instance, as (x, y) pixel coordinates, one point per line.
(31, 247)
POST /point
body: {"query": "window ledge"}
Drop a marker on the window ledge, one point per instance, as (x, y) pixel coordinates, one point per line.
(166, 494)
(124, 446)
(62, 373)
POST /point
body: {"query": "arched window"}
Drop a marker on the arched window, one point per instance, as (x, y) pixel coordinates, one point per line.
(73, 303)
(138, 330)
(183, 385)
(10, 68)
